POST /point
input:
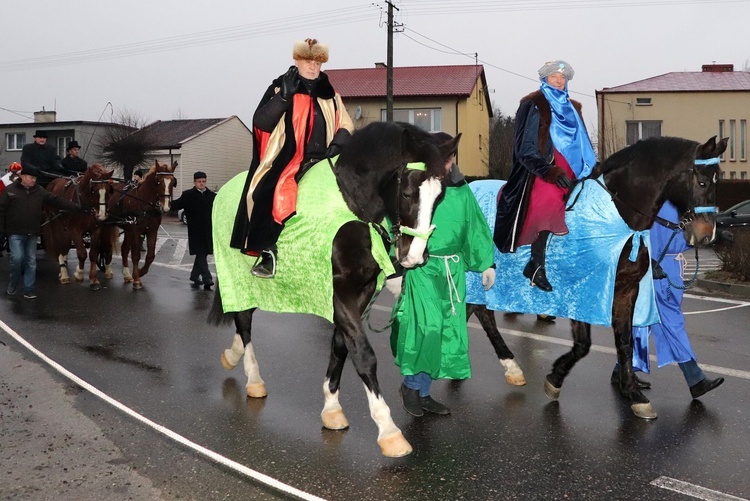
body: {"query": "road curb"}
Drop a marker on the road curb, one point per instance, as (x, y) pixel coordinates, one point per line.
(733, 289)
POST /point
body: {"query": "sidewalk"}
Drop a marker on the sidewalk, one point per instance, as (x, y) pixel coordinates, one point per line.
(735, 289)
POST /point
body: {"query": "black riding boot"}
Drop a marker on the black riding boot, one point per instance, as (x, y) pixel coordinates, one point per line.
(534, 270)
(265, 266)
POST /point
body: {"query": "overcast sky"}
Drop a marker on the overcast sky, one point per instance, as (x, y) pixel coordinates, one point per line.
(166, 59)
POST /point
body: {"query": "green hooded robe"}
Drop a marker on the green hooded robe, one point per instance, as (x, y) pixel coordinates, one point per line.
(429, 331)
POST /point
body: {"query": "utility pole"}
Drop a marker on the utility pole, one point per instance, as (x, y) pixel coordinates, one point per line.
(389, 66)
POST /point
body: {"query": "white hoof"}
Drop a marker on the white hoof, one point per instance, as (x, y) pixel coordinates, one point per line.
(334, 420)
(644, 411)
(395, 445)
(225, 362)
(257, 390)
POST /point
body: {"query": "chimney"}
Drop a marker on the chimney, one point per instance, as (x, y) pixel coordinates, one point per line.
(45, 116)
(717, 68)
(381, 65)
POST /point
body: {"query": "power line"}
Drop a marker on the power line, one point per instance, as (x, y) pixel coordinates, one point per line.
(262, 29)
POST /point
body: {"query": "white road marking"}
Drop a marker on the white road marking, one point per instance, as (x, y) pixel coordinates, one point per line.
(179, 251)
(724, 371)
(736, 303)
(239, 468)
(693, 490)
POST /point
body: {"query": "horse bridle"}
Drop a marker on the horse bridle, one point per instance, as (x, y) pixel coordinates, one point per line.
(398, 228)
(685, 219)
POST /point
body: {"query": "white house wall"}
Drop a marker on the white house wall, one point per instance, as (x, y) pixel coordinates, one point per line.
(221, 152)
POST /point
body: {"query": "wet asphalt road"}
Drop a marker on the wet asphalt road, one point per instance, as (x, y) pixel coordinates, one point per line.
(152, 351)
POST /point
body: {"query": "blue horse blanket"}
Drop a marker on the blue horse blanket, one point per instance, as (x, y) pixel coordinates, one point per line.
(580, 265)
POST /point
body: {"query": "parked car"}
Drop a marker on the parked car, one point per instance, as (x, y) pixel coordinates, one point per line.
(181, 216)
(737, 215)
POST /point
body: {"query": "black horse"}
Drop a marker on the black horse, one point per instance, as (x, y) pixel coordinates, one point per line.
(391, 170)
(639, 179)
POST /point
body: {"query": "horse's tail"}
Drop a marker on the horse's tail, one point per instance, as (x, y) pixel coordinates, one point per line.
(216, 315)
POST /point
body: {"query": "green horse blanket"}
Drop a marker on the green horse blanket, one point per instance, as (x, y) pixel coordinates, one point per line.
(304, 274)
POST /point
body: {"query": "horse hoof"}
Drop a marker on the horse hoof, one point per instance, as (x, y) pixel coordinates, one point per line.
(64, 281)
(334, 420)
(551, 391)
(225, 363)
(109, 275)
(516, 379)
(137, 286)
(127, 280)
(394, 445)
(257, 390)
(644, 411)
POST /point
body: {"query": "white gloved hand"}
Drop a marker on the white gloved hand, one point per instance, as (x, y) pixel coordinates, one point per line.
(394, 286)
(488, 278)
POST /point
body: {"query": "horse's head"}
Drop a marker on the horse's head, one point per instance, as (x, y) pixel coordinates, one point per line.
(97, 189)
(420, 187)
(165, 181)
(698, 202)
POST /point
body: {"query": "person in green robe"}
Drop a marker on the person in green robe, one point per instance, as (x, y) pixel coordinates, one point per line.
(429, 337)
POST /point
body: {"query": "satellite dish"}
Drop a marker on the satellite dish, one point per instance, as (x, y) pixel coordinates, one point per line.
(358, 113)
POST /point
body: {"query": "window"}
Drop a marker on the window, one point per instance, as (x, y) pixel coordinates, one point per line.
(732, 174)
(743, 175)
(743, 140)
(62, 144)
(732, 137)
(425, 118)
(642, 130)
(643, 101)
(722, 134)
(14, 141)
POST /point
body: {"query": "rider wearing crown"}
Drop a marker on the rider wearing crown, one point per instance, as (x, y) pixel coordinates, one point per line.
(551, 148)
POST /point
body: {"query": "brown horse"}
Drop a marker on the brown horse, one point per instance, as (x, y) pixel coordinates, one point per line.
(137, 209)
(91, 191)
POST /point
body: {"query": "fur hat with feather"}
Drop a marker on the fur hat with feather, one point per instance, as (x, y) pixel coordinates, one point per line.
(310, 49)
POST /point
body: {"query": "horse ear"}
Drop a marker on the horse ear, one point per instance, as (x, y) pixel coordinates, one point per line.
(174, 166)
(451, 147)
(711, 148)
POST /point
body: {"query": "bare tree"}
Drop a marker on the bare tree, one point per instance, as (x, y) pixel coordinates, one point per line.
(126, 146)
(502, 133)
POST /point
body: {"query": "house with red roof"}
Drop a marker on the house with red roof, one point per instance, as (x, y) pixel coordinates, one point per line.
(451, 99)
(691, 104)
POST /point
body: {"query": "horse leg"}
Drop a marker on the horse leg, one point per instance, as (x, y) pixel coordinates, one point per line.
(354, 279)
(562, 366)
(76, 236)
(626, 294)
(94, 250)
(125, 253)
(242, 345)
(627, 280)
(333, 415)
(151, 235)
(135, 256)
(62, 260)
(513, 373)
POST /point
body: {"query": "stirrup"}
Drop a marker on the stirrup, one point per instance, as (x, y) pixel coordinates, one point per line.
(261, 271)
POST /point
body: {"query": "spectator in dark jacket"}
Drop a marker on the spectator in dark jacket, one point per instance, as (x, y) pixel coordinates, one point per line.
(197, 203)
(21, 221)
(73, 164)
(43, 158)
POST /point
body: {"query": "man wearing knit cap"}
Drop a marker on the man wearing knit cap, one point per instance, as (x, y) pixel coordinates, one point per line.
(551, 148)
(197, 203)
(300, 120)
